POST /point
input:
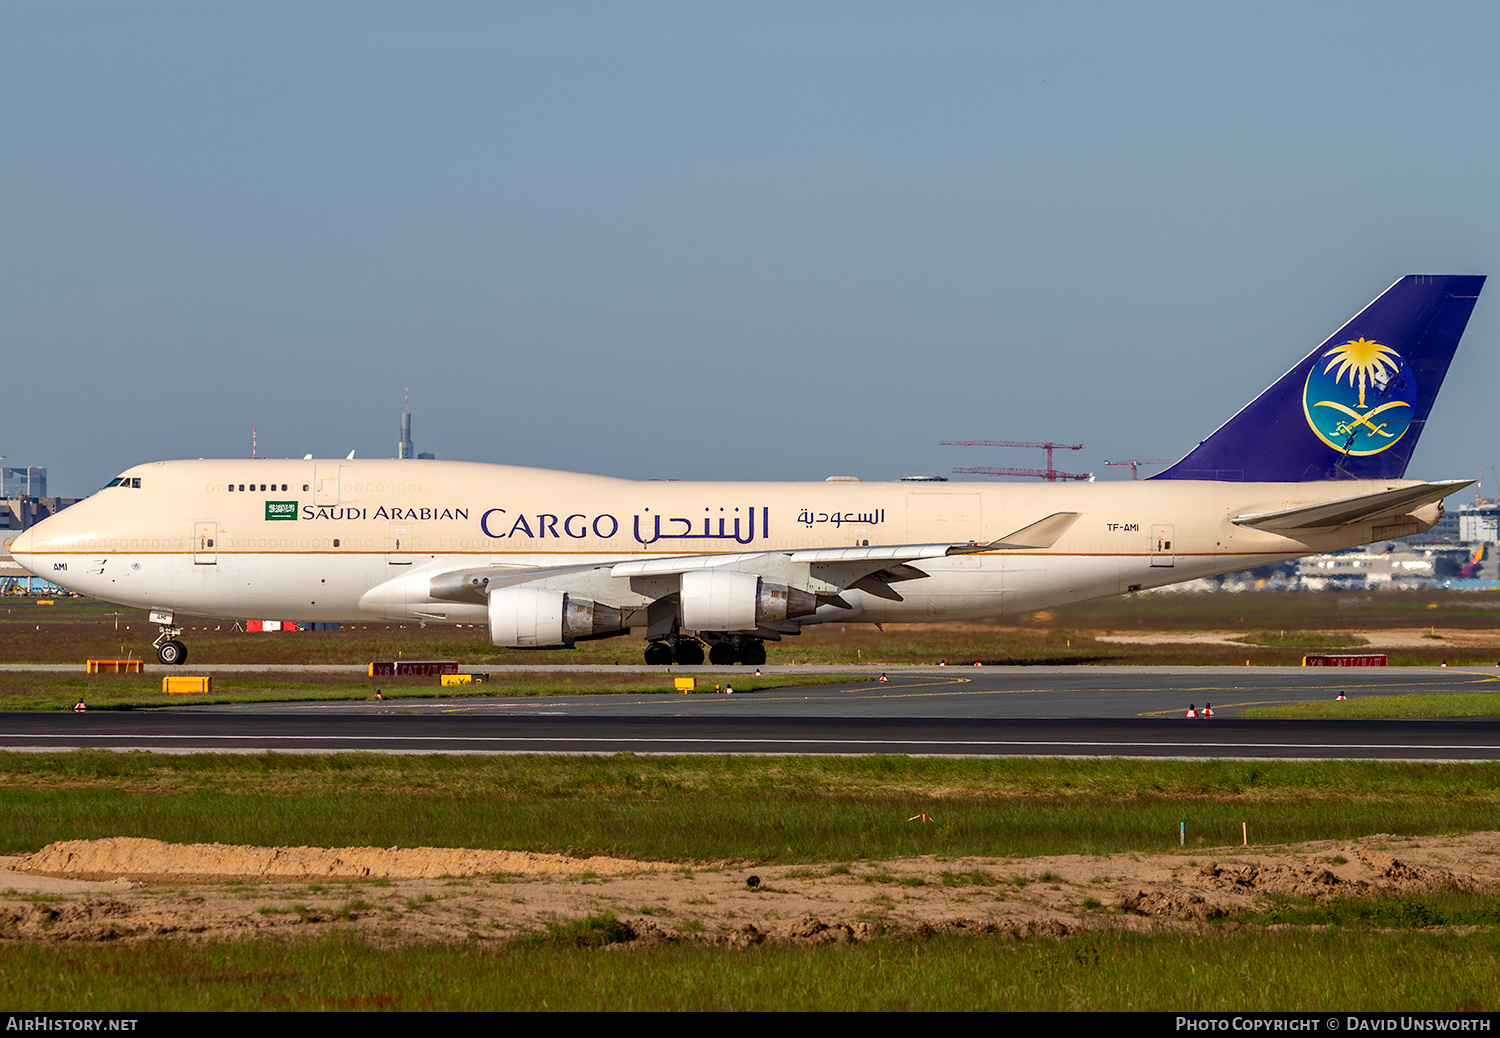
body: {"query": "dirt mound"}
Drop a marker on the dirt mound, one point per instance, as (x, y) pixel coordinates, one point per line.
(1368, 873)
(1405, 877)
(88, 920)
(1172, 904)
(397, 895)
(1301, 880)
(151, 859)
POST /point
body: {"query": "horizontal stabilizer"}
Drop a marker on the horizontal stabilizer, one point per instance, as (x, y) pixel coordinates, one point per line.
(1347, 510)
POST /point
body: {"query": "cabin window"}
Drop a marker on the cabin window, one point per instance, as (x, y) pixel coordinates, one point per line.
(335, 542)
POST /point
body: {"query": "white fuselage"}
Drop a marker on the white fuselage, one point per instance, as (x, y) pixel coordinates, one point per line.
(349, 540)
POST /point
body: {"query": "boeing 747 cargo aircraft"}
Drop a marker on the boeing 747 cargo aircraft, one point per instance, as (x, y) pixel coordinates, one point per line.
(1313, 464)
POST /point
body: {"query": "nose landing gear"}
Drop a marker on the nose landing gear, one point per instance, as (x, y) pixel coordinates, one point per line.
(169, 650)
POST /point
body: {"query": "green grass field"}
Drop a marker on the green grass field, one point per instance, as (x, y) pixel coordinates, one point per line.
(23, 690)
(692, 808)
(1472, 704)
(1428, 951)
(1250, 970)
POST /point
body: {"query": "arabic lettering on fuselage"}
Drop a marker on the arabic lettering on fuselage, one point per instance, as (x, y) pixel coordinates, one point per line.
(688, 531)
(810, 518)
(648, 527)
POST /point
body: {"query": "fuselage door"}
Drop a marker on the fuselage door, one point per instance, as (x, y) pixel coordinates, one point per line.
(326, 484)
(205, 552)
(1162, 553)
(398, 544)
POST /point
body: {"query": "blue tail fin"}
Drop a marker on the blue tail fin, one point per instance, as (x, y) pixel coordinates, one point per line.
(1355, 406)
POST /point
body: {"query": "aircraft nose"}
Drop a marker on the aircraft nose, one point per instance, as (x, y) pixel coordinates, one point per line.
(20, 544)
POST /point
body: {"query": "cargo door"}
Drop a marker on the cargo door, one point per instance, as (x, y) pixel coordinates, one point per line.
(398, 544)
(205, 550)
(326, 483)
(1162, 552)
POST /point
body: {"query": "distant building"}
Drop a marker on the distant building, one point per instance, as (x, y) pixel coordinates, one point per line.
(1479, 523)
(23, 482)
(404, 448)
(23, 498)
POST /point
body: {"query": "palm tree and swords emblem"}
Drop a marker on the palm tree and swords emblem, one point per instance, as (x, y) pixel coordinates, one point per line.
(1365, 385)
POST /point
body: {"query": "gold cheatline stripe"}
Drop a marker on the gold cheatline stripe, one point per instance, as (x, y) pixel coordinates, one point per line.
(666, 554)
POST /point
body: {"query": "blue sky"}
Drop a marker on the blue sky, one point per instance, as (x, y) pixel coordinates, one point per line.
(755, 241)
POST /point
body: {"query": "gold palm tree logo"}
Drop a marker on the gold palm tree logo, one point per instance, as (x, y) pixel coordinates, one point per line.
(1363, 361)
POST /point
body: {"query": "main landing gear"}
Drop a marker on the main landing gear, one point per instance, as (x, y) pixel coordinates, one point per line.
(169, 650)
(737, 648)
(677, 649)
(725, 651)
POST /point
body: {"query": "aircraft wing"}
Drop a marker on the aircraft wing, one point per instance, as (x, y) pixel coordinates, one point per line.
(1347, 510)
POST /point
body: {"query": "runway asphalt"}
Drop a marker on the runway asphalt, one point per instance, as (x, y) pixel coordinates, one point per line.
(1463, 739)
(1135, 712)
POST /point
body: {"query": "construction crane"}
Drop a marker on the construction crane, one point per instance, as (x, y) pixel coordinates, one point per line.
(1050, 474)
(1134, 464)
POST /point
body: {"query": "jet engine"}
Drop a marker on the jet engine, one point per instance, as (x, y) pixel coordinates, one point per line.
(533, 617)
(720, 600)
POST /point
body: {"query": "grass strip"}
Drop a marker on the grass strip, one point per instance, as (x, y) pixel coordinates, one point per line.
(1249, 970)
(758, 829)
(52, 691)
(774, 810)
(1443, 704)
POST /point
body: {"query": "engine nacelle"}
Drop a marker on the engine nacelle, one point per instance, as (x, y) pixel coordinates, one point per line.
(534, 617)
(722, 600)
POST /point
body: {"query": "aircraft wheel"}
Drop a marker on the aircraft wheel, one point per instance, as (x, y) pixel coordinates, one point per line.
(172, 653)
(721, 654)
(689, 652)
(754, 653)
(658, 654)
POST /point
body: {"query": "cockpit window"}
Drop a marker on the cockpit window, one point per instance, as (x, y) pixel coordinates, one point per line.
(113, 483)
(121, 481)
